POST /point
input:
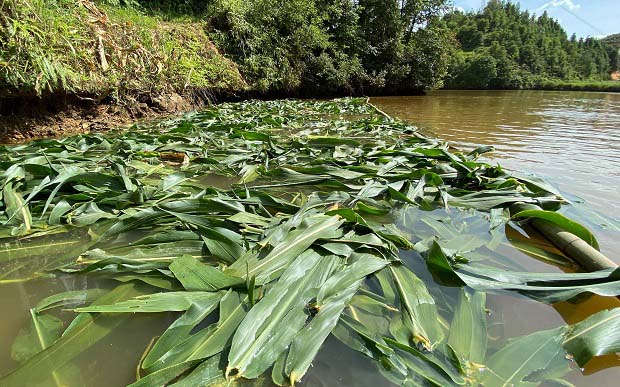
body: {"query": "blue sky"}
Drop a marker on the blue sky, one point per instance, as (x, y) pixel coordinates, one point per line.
(583, 17)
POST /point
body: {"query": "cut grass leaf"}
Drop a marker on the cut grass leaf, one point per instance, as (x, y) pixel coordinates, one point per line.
(206, 342)
(597, 335)
(419, 306)
(43, 332)
(197, 276)
(330, 302)
(69, 298)
(563, 222)
(468, 331)
(157, 302)
(524, 357)
(296, 242)
(179, 330)
(224, 244)
(273, 322)
(17, 210)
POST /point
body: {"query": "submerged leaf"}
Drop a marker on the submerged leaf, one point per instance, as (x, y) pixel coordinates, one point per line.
(43, 331)
(525, 356)
(419, 305)
(84, 331)
(597, 335)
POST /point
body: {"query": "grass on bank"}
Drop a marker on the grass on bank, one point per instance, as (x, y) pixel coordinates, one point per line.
(61, 46)
(612, 86)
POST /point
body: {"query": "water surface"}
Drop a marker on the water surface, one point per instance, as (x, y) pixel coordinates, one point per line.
(572, 139)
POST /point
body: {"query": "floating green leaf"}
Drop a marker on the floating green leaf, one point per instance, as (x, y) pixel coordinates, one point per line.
(562, 221)
(421, 311)
(156, 302)
(597, 335)
(196, 276)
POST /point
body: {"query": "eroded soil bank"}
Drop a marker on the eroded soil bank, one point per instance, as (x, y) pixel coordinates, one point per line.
(25, 119)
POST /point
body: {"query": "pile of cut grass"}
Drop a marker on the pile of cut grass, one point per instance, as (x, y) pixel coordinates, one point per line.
(270, 226)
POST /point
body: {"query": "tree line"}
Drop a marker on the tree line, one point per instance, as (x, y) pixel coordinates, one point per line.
(288, 48)
(394, 46)
(315, 47)
(502, 46)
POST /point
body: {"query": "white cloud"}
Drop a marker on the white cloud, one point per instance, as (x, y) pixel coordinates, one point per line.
(568, 4)
(458, 8)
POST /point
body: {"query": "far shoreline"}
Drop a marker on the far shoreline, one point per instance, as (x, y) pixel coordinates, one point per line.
(558, 85)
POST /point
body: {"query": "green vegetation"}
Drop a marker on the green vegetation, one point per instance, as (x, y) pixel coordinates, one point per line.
(306, 237)
(612, 40)
(64, 46)
(503, 47)
(138, 49)
(334, 47)
(580, 85)
(319, 47)
(142, 47)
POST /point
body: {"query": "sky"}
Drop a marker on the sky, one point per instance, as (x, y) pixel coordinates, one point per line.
(596, 18)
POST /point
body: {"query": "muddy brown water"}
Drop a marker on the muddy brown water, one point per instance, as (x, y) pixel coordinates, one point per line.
(570, 139)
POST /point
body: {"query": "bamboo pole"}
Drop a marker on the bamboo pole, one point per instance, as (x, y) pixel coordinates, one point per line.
(569, 244)
(384, 114)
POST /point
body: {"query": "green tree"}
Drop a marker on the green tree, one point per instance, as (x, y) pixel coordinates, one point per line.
(526, 49)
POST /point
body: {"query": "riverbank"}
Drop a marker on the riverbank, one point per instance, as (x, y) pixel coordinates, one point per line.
(26, 119)
(556, 85)
(71, 67)
(605, 86)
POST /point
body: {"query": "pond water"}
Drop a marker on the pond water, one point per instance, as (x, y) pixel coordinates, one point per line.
(570, 139)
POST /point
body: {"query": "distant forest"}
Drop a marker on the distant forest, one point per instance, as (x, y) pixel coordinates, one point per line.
(504, 47)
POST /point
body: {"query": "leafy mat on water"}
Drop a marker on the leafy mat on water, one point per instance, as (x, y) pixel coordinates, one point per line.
(270, 226)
